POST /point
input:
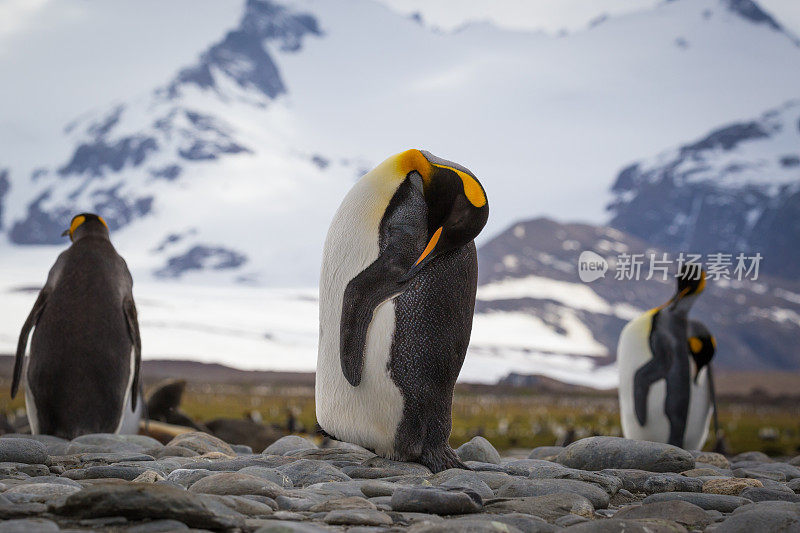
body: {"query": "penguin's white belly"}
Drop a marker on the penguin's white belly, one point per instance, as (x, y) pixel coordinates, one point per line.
(633, 352)
(369, 414)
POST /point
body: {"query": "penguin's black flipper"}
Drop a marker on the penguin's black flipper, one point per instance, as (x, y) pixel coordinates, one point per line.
(22, 345)
(652, 371)
(403, 234)
(133, 330)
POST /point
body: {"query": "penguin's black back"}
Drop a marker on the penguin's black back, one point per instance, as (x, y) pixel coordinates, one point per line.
(80, 358)
(433, 322)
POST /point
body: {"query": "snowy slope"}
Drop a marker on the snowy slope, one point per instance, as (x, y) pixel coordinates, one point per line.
(231, 168)
(736, 189)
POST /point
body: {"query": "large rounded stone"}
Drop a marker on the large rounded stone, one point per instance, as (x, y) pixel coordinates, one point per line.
(138, 501)
(27, 451)
(598, 453)
(289, 443)
(236, 484)
(717, 502)
(685, 513)
(39, 492)
(614, 525)
(478, 449)
(539, 487)
(201, 443)
(436, 500)
(550, 507)
(305, 472)
(763, 494)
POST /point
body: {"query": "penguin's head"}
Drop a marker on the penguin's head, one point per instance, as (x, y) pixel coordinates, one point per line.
(86, 224)
(457, 205)
(702, 345)
(691, 280)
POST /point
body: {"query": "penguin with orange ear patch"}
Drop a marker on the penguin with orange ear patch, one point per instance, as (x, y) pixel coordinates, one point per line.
(397, 295)
(662, 398)
(83, 372)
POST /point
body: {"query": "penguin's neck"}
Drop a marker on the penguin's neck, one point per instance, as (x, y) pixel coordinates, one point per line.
(680, 307)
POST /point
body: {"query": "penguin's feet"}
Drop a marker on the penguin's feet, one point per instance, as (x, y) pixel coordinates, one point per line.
(440, 458)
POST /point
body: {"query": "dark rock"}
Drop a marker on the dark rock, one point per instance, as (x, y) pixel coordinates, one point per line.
(128, 473)
(38, 492)
(26, 451)
(759, 474)
(684, 513)
(270, 474)
(794, 485)
(12, 469)
(495, 480)
(760, 494)
(232, 465)
(201, 443)
(540, 487)
(436, 500)
(549, 507)
(350, 502)
(306, 472)
(649, 525)
(235, 483)
(358, 517)
(546, 453)
(28, 525)
(157, 526)
(758, 457)
(408, 468)
(478, 449)
(10, 510)
(467, 480)
(185, 477)
(599, 453)
(759, 517)
(539, 469)
(672, 483)
(720, 502)
(53, 445)
(142, 501)
(632, 479)
(284, 526)
(175, 451)
(373, 489)
(467, 525)
(522, 522)
(338, 456)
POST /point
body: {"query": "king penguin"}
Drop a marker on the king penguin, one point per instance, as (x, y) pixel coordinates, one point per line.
(663, 397)
(397, 295)
(83, 370)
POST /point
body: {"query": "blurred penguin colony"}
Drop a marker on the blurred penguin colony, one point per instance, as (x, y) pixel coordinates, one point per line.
(397, 297)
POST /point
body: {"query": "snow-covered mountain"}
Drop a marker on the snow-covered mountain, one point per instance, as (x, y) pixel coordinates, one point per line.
(531, 271)
(736, 189)
(233, 167)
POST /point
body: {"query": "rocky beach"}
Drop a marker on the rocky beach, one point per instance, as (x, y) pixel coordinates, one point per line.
(134, 483)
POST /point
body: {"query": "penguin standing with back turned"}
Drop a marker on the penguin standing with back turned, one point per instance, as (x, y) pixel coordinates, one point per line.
(397, 295)
(83, 371)
(661, 397)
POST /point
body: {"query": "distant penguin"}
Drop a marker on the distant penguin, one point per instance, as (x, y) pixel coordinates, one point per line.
(83, 371)
(662, 397)
(397, 295)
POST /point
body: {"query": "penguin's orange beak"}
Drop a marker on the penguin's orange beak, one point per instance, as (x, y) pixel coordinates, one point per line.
(425, 256)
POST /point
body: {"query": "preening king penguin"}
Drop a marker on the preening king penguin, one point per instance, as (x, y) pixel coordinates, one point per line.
(83, 371)
(662, 397)
(397, 295)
